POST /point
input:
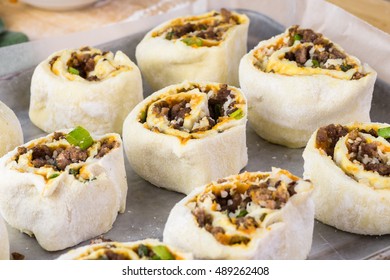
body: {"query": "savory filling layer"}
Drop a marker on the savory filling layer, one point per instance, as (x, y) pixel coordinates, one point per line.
(327, 137)
(87, 63)
(234, 209)
(361, 152)
(195, 111)
(305, 52)
(197, 31)
(62, 152)
(119, 251)
(371, 154)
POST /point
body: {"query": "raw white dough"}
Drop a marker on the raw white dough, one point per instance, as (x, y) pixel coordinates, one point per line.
(288, 233)
(4, 242)
(166, 62)
(340, 200)
(11, 132)
(66, 211)
(286, 110)
(101, 106)
(167, 162)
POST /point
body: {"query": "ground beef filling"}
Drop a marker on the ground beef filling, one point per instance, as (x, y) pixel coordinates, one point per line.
(268, 194)
(53, 60)
(176, 112)
(84, 63)
(60, 157)
(143, 252)
(205, 221)
(210, 31)
(111, 255)
(327, 137)
(271, 195)
(309, 36)
(367, 154)
(319, 58)
(217, 102)
(106, 146)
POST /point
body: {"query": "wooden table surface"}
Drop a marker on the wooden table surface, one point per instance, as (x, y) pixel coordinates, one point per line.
(38, 23)
(375, 12)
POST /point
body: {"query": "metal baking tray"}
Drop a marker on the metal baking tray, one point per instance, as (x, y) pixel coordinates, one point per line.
(148, 206)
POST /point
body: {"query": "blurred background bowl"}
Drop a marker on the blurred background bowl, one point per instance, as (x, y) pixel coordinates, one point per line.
(59, 5)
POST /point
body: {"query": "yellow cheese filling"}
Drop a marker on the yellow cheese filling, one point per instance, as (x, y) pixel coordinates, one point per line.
(121, 251)
(302, 52)
(236, 209)
(49, 169)
(194, 112)
(88, 64)
(361, 151)
(358, 166)
(206, 30)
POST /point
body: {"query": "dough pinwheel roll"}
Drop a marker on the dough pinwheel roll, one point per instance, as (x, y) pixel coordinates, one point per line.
(11, 132)
(64, 188)
(4, 242)
(148, 249)
(253, 215)
(299, 81)
(186, 135)
(205, 47)
(86, 87)
(349, 166)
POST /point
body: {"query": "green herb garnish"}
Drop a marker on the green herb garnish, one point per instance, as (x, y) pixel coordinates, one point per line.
(54, 175)
(169, 35)
(242, 213)
(315, 63)
(73, 71)
(345, 67)
(80, 137)
(90, 180)
(161, 253)
(384, 132)
(193, 41)
(74, 172)
(142, 117)
(143, 251)
(202, 27)
(297, 37)
(238, 114)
